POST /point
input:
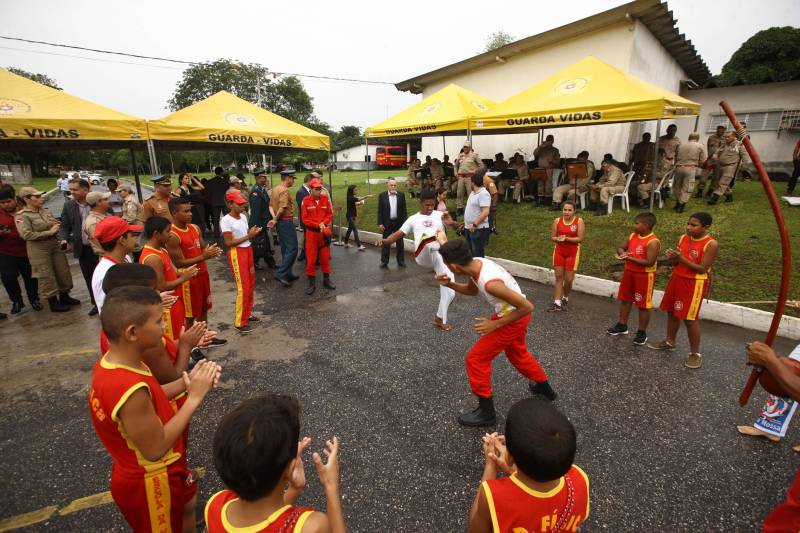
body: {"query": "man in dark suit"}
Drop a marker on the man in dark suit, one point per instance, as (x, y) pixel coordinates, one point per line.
(73, 216)
(260, 216)
(391, 215)
(216, 188)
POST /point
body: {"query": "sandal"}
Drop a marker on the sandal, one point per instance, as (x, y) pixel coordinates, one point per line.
(441, 325)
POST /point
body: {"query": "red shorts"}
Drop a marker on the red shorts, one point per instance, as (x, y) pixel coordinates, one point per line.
(567, 257)
(684, 296)
(637, 287)
(197, 295)
(155, 501)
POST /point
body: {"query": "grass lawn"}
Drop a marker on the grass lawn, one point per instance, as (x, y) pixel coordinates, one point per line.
(747, 269)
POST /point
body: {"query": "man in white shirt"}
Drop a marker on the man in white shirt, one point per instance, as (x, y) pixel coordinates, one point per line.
(476, 215)
(237, 234)
(63, 184)
(118, 239)
(426, 225)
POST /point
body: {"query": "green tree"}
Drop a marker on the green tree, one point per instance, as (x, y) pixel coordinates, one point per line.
(768, 56)
(346, 136)
(497, 40)
(38, 78)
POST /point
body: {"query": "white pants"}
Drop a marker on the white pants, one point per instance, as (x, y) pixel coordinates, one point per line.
(429, 258)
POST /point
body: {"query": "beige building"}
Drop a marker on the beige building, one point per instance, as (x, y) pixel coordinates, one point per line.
(639, 37)
(772, 113)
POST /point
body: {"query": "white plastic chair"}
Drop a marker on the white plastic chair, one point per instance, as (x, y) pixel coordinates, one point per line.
(657, 191)
(625, 203)
(583, 198)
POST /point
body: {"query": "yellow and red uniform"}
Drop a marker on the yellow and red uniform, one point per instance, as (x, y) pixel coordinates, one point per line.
(638, 281)
(567, 254)
(287, 519)
(516, 507)
(150, 494)
(314, 211)
(174, 316)
(686, 288)
(197, 291)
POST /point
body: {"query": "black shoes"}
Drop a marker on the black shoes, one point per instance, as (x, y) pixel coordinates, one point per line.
(641, 338)
(292, 277)
(543, 388)
(253, 318)
(384, 265)
(244, 330)
(284, 282)
(713, 200)
(312, 286)
(37, 305)
(216, 341)
(66, 299)
(56, 306)
(728, 197)
(484, 415)
(16, 307)
(401, 265)
(326, 282)
(699, 193)
(617, 329)
(93, 311)
(3, 316)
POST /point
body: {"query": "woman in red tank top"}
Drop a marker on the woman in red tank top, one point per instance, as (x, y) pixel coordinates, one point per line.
(567, 234)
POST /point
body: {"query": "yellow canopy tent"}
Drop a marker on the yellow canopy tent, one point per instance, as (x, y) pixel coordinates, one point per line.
(588, 92)
(31, 112)
(227, 119)
(447, 110)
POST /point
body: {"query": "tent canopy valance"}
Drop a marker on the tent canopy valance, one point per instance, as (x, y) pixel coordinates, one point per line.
(34, 113)
(588, 92)
(226, 119)
(445, 111)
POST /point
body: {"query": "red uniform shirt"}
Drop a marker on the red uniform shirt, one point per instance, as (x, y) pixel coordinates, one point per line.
(10, 243)
(316, 210)
(111, 387)
(190, 244)
(517, 508)
(637, 247)
(174, 316)
(693, 250)
(567, 230)
(287, 519)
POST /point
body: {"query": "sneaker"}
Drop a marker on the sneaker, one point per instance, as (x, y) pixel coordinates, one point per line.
(618, 329)
(244, 330)
(216, 341)
(554, 308)
(661, 345)
(641, 338)
(348, 245)
(564, 302)
(694, 360)
(361, 248)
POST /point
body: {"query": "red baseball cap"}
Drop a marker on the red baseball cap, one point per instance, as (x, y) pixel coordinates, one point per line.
(113, 227)
(235, 197)
(316, 182)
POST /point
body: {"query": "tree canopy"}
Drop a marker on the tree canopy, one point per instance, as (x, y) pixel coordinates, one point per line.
(497, 40)
(768, 56)
(38, 78)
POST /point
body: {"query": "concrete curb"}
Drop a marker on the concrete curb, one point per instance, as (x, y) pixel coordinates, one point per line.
(735, 315)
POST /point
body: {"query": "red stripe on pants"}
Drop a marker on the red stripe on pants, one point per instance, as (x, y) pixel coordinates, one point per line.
(315, 245)
(509, 339)
(785, 516)
(244, 275)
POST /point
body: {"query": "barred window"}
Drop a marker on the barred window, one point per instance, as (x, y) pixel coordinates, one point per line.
(756, 120)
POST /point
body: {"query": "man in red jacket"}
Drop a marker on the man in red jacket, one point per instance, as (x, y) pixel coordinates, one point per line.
(316, 214)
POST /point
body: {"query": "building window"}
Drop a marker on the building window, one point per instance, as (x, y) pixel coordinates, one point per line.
(756, 120)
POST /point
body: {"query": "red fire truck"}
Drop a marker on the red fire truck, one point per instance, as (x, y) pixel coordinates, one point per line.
(391, 156)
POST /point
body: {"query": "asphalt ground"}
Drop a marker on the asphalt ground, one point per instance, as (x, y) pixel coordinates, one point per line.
(657, 440)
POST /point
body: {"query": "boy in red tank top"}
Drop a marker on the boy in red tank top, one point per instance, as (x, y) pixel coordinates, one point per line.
(640, 253)
(688, 285)
(544, 491)
(154, 255)
(567, 234)
(134, 419)
(257, 452)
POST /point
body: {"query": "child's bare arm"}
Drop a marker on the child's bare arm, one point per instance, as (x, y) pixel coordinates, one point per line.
(391, 239)
(156, 359)
(469, 288)
(480, 520)
(329, 478)
(152, 438)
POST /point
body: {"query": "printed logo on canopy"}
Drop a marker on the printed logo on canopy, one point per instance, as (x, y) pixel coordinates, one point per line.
(10, 106)
(240, 119)
(571, 86)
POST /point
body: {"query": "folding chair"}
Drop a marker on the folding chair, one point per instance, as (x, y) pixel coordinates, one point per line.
(622, 195)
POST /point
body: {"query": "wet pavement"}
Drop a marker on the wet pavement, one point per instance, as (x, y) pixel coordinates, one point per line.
(657, 440)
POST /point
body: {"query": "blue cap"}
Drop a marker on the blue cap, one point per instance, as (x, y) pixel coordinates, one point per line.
(160, 179)
(288, 172)
(259, 171)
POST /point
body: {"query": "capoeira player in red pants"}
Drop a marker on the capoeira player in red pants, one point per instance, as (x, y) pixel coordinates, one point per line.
(237, 237)
(504, 331)
(316, 212)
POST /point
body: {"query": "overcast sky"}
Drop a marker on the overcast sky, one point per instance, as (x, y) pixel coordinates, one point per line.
(382, 41)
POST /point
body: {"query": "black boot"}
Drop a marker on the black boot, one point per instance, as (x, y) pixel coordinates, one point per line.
(681, 207)
(56, 306)
(728, 197)
(326, 282)
(699, 193)
(555, 207)
(484, 415)
(312, 286)
(543, 389)
(66, 299)
(713, 200)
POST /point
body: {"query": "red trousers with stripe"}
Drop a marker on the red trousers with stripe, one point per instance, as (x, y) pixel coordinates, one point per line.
(315, 246)
(509, 339)
(154, 502)
(785, 517)
(244, 275)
